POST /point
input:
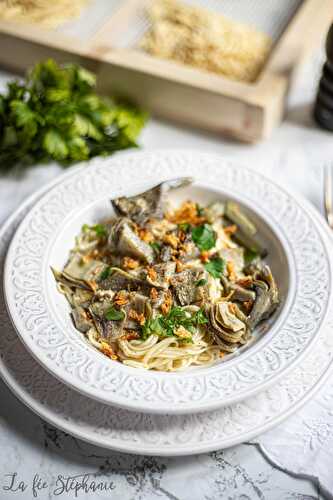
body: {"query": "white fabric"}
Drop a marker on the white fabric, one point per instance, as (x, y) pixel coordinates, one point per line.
(303, 444)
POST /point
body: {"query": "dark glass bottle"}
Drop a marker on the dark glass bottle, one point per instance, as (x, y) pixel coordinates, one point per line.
(323, 110)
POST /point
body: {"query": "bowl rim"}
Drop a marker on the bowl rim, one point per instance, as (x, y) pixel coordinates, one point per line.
(178, 377)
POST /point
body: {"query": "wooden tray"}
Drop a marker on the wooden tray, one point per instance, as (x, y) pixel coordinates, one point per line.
(104, 40)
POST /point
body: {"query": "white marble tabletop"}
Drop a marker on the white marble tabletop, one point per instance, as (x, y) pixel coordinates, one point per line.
(32, 451)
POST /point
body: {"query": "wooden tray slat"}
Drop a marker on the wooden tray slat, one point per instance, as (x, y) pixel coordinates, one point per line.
(168, 89)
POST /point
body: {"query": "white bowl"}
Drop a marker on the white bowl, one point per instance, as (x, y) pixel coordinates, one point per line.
(40, 314)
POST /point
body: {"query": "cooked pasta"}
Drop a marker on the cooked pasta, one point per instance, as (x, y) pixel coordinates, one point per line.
(165, 289)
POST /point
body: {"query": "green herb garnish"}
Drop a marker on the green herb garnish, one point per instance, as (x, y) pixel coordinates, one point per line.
(184, 226)
(114, 314)
(201, 282)
(204, 237)
(215, 267)
(153, 326)
(200, 210)
(55, 114)
(100, 230)
(200, 317)
(105, 273)
(156, 247)
(250, 256)
(165, 326)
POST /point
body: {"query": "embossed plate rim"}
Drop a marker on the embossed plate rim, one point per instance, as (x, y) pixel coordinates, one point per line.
(89, 435)
(147, 404)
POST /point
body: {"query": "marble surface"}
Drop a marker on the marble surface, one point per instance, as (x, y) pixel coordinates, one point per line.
(34, 453)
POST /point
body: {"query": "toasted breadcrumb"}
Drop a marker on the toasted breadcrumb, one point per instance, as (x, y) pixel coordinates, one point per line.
(152, 273)
(186, 214)
(153, 293)
(129, 263)
(172, 240)
(121, 298)
(231, 270)
(229, 230)
(138, 317)
(179, 266)
(130, 335)
(107, 350)
(166, 306)
(182, 333)
(146, 235)
(204, 256)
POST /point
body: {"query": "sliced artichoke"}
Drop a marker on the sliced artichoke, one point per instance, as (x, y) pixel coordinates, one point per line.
(234, 255)
(214, 211)
(162, 273)
(184, 286)
(118, 279)
(108, 329)
(225, 323)
(149, 204)
(235, 215)
(246, 230)
(124, 241)
(80, 272)
(81, 320)
(267, 296)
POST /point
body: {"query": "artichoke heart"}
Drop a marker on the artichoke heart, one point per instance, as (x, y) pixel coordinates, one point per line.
(80, 272)
(124, 241)
(149, 204)
(267, 296)
(226, 325)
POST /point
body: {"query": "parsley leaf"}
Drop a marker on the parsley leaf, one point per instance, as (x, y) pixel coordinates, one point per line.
(152, 327)
(200, 317)
(215, 267)
(55, 145)
(55, 114)
(201, 282)
(155, 246)
(100, 230)
(105, 273)
(184, 226)
(200, 210)
(249, 256)
(204, 237)
(114, 314)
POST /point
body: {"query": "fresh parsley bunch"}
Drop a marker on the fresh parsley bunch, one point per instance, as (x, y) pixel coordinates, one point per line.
(55, 114)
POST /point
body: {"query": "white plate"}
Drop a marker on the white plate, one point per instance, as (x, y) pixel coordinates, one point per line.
(152, 434)
(41, 315)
